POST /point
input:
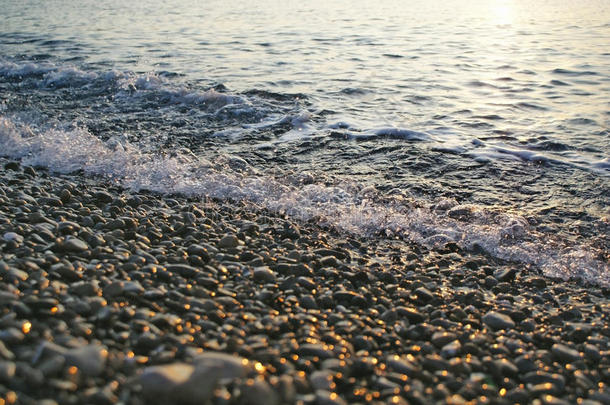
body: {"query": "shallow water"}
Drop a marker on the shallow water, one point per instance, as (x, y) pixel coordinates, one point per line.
(480, 122)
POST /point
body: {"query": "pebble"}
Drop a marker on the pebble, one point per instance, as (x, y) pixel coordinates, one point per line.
(89, 359)
(328, 398)
(7, 371)
(423, 294)
(440, 339)
(322, 380)
(228, 241)
(74, 245)
(5, 352)
(182, 383)
(315, 350)
(498, 321)
(183, 270)
(258, 392)
(263, 275)
(564, 353)
(12, 237)
(159, 382)
(103, 196)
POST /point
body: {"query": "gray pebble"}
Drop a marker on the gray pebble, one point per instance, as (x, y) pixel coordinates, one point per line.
(7, 371)
(498, 321)
(228, 241)
(90, 359)
(74, 245)
(263, 275)
(564, 353)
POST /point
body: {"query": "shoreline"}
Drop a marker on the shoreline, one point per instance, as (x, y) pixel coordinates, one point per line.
(117, 297)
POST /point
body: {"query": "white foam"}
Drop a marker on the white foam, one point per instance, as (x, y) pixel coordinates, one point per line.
(128, 84)
(388, 132)
(20, 70)
(49, 75)
(348, 207)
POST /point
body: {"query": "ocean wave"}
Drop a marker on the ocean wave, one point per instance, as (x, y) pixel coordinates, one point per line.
(123, 84)
(349, 207)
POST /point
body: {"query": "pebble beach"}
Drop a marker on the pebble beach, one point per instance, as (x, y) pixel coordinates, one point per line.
(116, 297)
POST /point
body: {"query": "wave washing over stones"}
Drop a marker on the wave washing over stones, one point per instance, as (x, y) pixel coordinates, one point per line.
(114, 296)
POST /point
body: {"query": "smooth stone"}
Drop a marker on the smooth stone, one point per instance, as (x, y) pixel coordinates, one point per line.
(158, 382)
(308, 302)
(307, 283)
(440, 339)
(564, 353)
(412, 314)
(12, 166)
(328, 398)
(182, 269)
(103, 196)
(314, 350)
(226, 365)
(16, 274)
(390, 316)
(197, 250)
(424, 294)
(329, 261)
(90, 359)
(543, 389)
(7, 371)
(592, 352)
(85, 288)
(133, 287)
(551, 400)
(451, 349)
(74, 245)
(578, 332)
(115, 289)
(11, 335)
(541, 377)
(258, 392)
(498, 321)
(263, 275)
(13, 237)
(503, 368)
(322, 380)
(402, 366)
(181, 383)
(65, 195)
(504, 275)
(5, 352)
(67, 271)
(525, 363)
(434, 362)
(228, 241)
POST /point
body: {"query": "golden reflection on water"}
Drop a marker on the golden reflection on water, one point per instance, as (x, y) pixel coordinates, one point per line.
(501, 12)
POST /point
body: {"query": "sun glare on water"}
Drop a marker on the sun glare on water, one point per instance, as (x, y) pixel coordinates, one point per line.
(501, 12)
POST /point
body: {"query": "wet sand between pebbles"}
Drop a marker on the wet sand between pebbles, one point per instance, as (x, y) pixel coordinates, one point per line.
(110, 296)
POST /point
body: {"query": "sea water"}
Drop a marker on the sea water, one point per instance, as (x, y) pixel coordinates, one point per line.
(479, 122)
